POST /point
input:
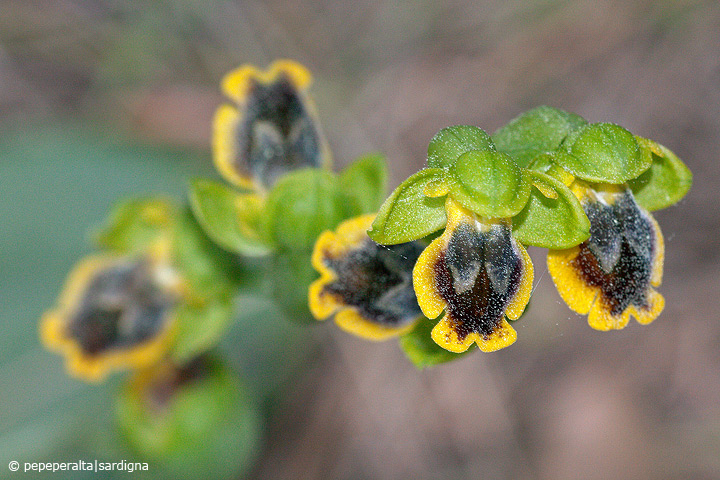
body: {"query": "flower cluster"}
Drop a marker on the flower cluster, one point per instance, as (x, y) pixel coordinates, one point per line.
(477, 272)
(548, 179)
(441, 262)
(159, 296)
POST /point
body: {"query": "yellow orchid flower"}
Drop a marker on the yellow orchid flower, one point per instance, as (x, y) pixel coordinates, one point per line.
(114, 313)
(366, 287)
(611, 276)
(478, 273)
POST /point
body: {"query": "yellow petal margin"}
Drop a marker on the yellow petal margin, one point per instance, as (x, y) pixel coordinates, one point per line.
(236, 84)
(55, 336)
(225, 125)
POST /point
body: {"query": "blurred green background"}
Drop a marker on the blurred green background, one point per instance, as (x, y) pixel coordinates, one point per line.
(101, 100)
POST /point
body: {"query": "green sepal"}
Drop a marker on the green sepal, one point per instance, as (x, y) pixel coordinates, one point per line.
(665, 182)
(186, 427)
(451, 142)
(489, 183)
(302, 205)
(408, 214)
(233, 220)
(545, 163)
(421, 349)
(603, 152)
(135, 224)
(364, 183)
(556, 223)
(536, 131)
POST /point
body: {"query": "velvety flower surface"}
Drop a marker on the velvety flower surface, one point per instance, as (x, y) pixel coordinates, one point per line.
(272, 127)
(478, 273)
(366, 286)
(611, 276)
(114, 313)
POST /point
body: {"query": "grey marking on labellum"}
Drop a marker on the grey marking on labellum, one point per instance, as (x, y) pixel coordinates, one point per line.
(477, 276)
(620, 253)
(277, 133)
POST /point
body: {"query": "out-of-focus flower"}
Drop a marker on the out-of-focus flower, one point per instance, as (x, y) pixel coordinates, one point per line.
(115, 312)
(190, 418)
(271, 129)
(478, 273)
(366, 286)
(610, 276)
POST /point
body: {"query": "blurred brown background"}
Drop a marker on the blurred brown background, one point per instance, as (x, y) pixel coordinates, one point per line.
(564, 402)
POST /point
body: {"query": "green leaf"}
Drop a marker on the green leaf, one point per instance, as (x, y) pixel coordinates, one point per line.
(232, 220)
(422, 350)
(211, 274)
(451, 142)
(556, 223)
(364, 183)
(200, 325)
(489, 183)
(603, 152)
(665, 182)
(408, 214)
(135, 224)
(292, 274)
(536, 131)
(202, 262)
(303, 204)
